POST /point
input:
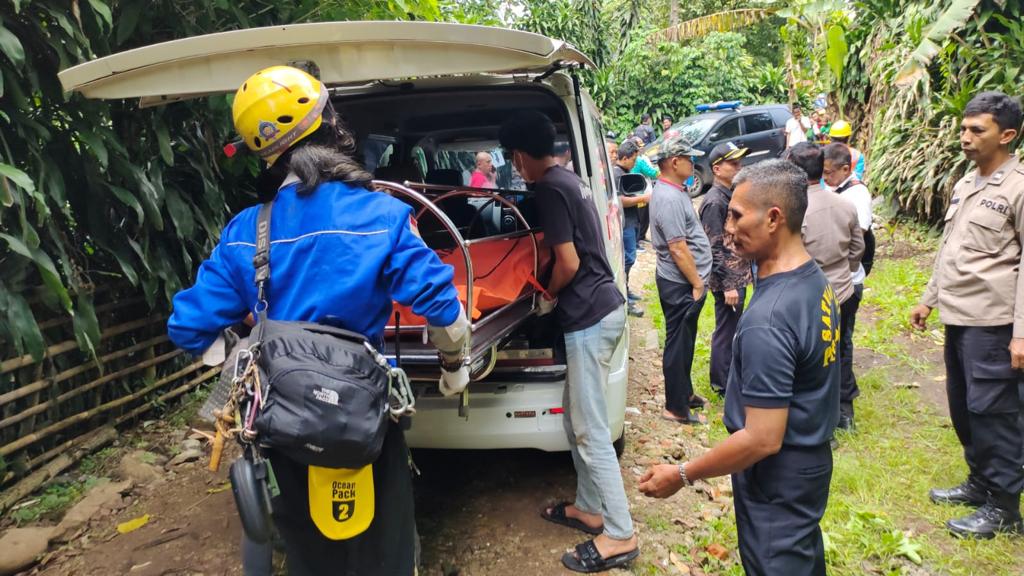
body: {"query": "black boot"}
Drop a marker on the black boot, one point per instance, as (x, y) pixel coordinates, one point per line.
(846, 417)
(845, 423)
(970, 493)
(986, 522)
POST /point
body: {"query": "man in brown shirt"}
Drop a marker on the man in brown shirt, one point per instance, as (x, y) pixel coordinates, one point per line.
(833, 236)
(976, 285)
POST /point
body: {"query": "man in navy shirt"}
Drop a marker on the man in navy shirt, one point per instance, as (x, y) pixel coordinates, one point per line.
(782, 400)
(590, 311)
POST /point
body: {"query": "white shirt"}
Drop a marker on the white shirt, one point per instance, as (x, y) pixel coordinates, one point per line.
(796, 131)
(860, 197)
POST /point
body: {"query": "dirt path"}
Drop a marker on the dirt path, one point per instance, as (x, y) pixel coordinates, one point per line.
(477, 512)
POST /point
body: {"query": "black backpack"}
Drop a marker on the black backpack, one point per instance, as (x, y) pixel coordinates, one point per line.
(325, 389)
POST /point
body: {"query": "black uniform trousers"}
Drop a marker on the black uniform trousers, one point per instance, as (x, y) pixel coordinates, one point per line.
(644, 223)
(727, 318)
(848, 389)
(779, 504)
(386, 548)
(984, 404)
(681, 314)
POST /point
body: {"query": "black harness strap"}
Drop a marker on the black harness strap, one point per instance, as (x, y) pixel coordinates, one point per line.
(261, 262)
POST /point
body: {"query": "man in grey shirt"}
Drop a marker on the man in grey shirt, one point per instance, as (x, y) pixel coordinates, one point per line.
(684, 263)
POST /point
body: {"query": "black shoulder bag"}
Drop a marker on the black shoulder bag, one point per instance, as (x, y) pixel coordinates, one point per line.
(327, 392)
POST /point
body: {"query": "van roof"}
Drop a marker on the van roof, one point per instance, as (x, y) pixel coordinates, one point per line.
(344, 52)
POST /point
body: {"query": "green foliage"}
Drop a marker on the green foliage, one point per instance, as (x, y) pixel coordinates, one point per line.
(725, 21)
(673, 78)
(92, 464)
(913, 145)
(948, 22)
(480, 12)
(771, 82)
(54, 499)
(896, 285)
(873, 536)
(636, 76)
(93, 189)
(578, 22)
(835, 54)
(813, 44)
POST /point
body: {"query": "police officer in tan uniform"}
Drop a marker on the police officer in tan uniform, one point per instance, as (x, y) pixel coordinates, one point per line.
(976, 286)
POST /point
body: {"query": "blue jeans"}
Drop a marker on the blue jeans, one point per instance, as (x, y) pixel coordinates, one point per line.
(629, 245)
(599, 488)
(629, 234)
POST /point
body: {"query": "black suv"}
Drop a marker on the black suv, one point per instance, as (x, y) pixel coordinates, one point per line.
(760, 128)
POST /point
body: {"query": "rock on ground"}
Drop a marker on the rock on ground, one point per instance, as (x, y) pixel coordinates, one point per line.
(104, 496)
(186, 456)
(140, 467)
(22, 546)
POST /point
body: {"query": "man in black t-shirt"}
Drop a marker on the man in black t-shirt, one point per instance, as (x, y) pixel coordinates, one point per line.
(782, 400)
(626, 159)
(589, 307)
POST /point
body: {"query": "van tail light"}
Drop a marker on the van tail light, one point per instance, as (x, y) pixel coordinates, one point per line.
(558, 410)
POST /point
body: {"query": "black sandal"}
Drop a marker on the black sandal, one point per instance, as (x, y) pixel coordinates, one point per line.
(557, 516)
(697, 402)
(587, 559)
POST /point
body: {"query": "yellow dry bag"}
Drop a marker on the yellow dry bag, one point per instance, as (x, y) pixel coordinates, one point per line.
(341, 500)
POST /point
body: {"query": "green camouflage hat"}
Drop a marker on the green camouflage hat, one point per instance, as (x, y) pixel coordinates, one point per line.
(671, 146)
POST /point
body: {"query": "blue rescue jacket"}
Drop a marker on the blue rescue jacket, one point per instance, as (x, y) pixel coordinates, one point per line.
(339, 255)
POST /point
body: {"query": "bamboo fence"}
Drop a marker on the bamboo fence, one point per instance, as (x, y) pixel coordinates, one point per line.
(57, 409)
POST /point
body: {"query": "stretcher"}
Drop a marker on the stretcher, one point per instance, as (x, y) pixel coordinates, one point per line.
(497, 257)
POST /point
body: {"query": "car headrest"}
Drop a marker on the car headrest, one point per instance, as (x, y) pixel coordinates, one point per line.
(398, 173)
(444, 177)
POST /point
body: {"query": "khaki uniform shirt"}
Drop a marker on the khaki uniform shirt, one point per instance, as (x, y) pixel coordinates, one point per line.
(833, 237)
(976, 278)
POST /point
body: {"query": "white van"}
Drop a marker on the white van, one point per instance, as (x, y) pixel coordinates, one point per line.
(419, 96)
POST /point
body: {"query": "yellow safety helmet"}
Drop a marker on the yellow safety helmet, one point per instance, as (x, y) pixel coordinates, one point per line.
(840, 129)
(276, 107)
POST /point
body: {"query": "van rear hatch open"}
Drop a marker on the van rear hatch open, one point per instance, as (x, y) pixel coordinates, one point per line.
(344, 52)
(352, 54)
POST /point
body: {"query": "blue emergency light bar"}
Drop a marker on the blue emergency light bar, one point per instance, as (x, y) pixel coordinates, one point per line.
(731, 105)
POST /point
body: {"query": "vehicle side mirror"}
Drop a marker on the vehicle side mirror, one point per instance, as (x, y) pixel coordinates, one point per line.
(634, 185)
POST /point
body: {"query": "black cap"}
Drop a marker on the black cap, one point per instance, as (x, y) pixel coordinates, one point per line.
(726, 151)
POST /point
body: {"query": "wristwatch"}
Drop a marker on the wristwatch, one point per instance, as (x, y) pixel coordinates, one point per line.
(450, 365)
(682, 474)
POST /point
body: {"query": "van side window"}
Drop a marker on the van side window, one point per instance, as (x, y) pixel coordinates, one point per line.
(599, 157)
(760, 122)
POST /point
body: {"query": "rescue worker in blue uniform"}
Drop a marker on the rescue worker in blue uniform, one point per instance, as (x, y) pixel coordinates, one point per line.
(340, 254)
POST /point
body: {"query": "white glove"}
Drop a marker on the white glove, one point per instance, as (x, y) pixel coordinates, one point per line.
(546, 306)
(216, 353)
(450, 340)
(453, 383)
